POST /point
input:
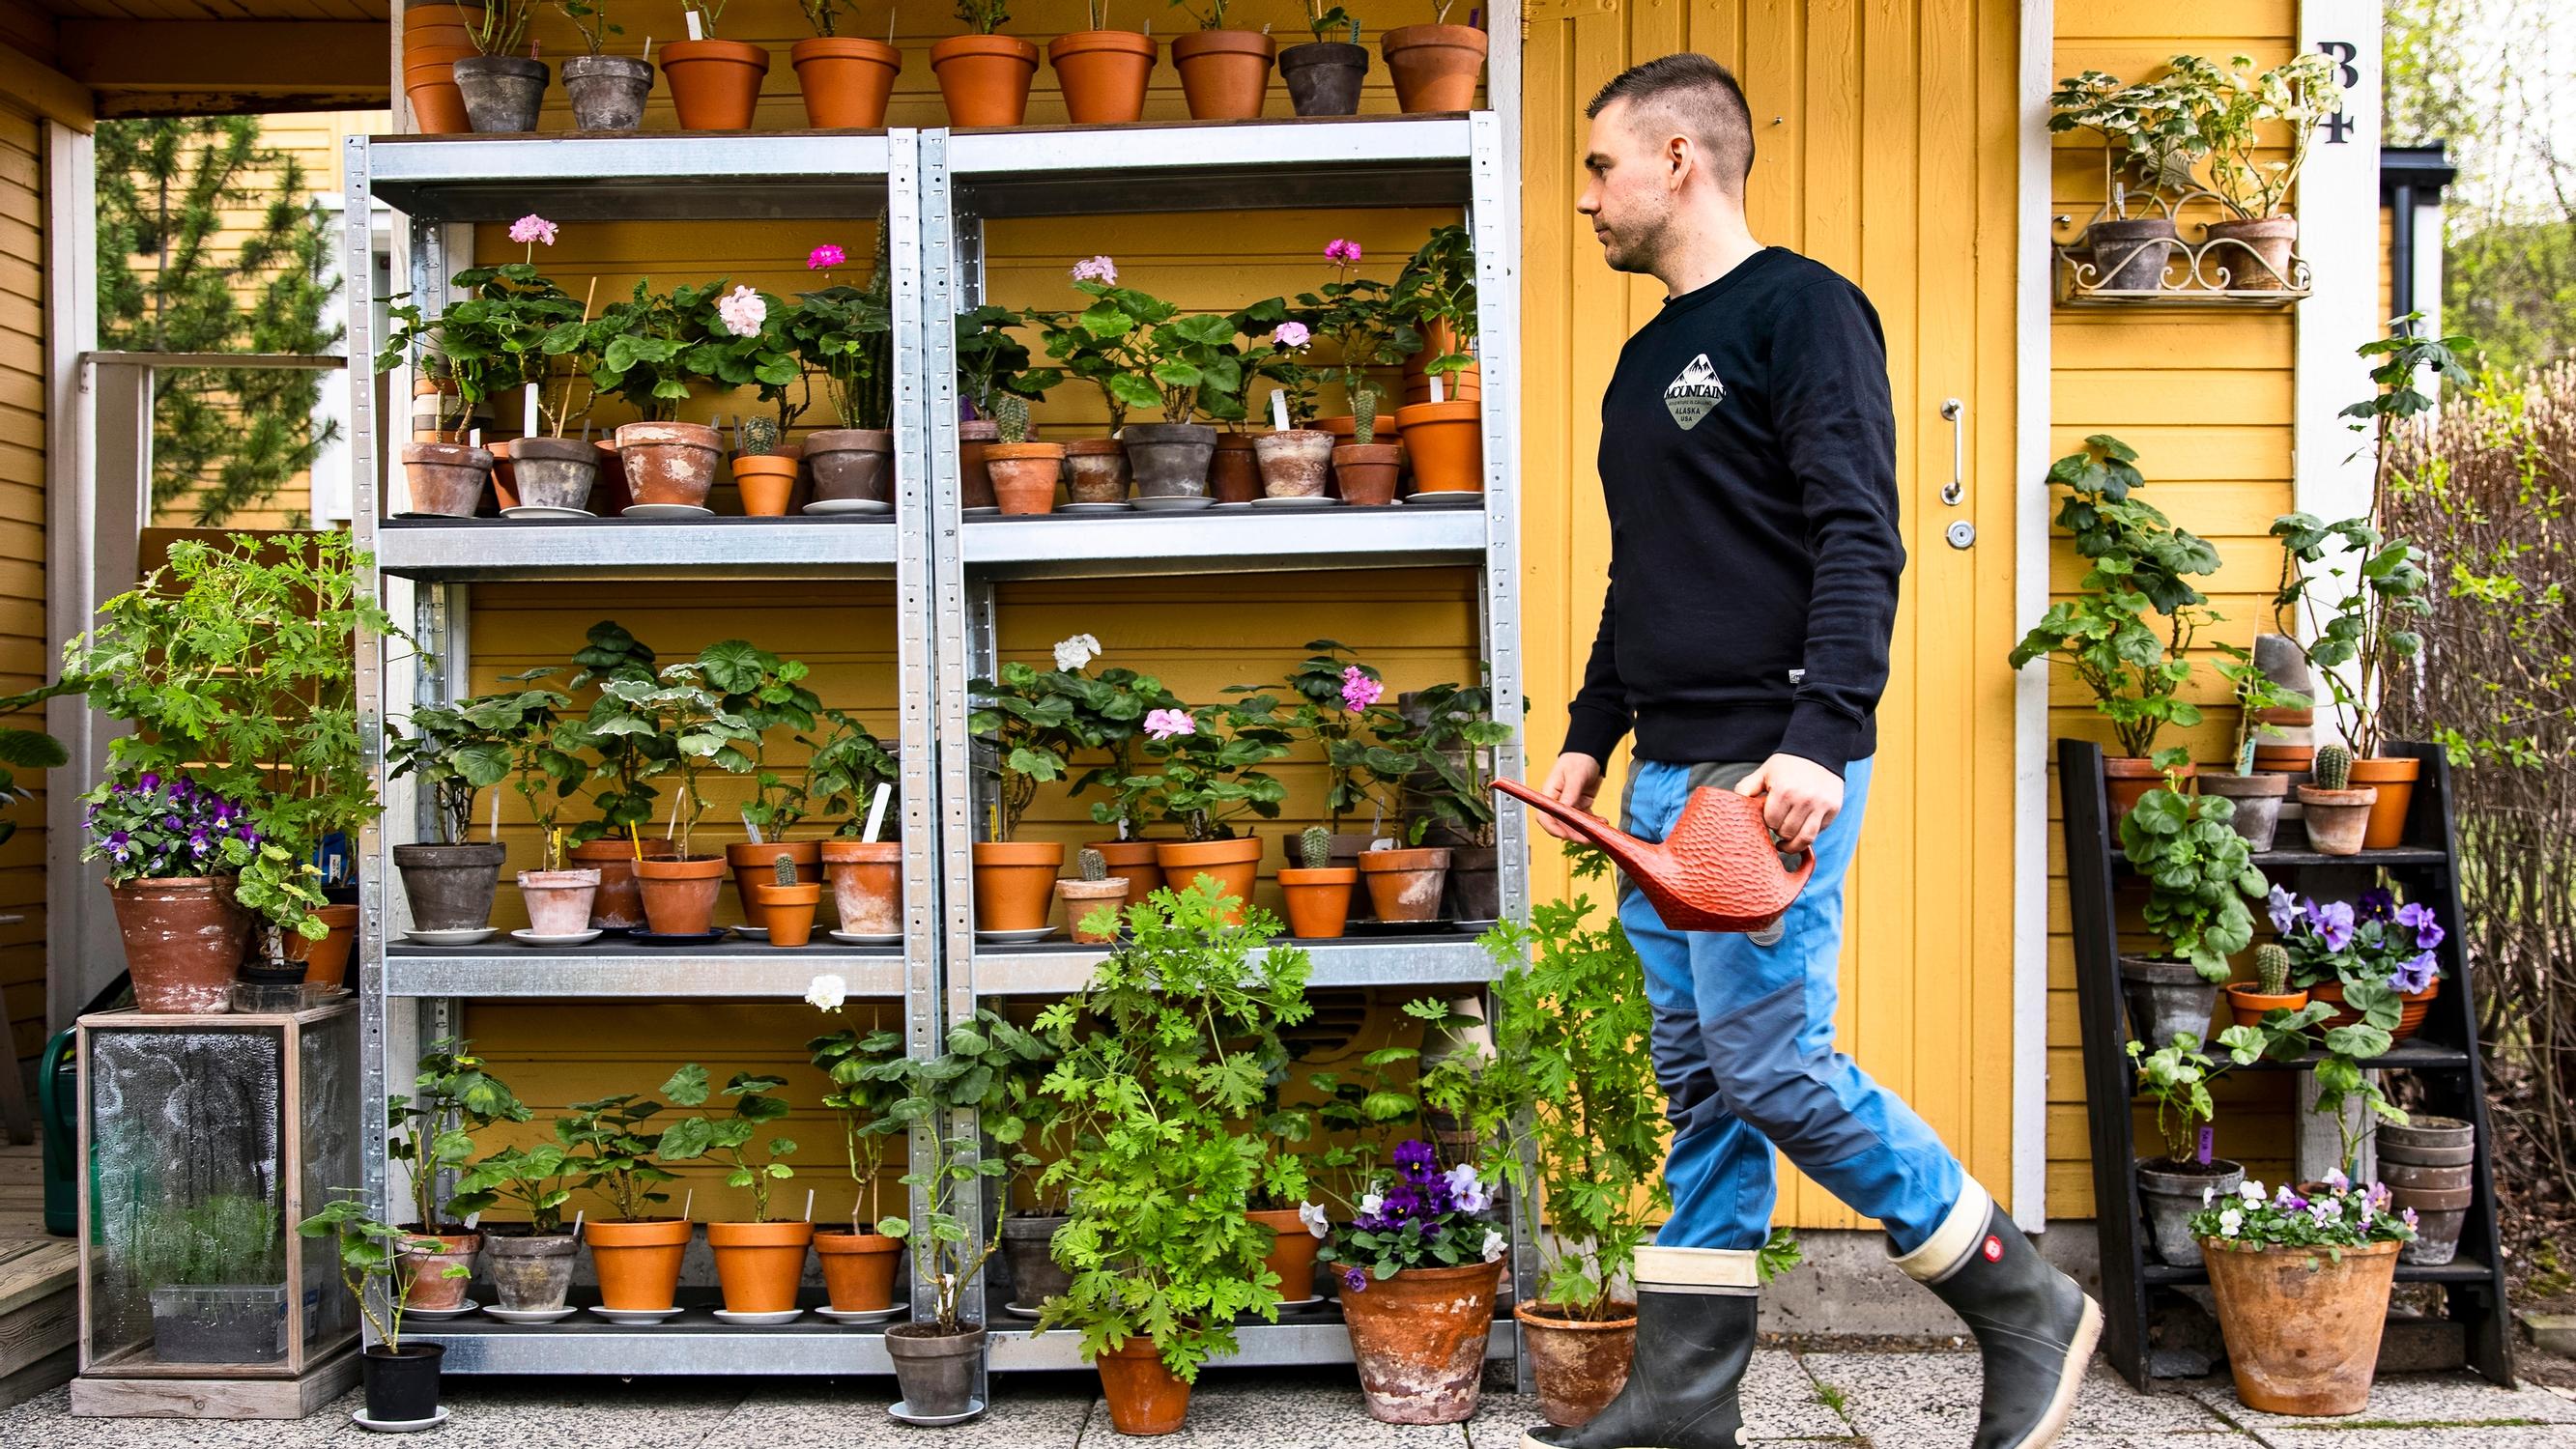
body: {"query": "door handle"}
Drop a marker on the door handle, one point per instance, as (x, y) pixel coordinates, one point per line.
(1961, 534)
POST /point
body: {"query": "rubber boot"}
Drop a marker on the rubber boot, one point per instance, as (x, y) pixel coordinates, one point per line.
(2035, 1328)
(1696, 1309)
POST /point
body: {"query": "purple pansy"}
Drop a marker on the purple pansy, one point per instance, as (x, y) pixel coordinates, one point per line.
(2414, 974)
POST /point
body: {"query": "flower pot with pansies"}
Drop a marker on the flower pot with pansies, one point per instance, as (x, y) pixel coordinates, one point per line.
(984, 76)
(175, 854)
(1420, 1262)
(2302, 1281)
(845, 79)
(1225, 73)
(2371, 962)
(758, 1261)
(2201, 878)
(715, 84)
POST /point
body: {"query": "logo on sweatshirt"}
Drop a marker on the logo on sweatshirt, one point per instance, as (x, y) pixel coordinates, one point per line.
(1695, 394)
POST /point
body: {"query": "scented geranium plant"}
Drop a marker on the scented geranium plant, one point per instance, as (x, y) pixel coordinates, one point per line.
(765, 693)
(681, 706)
(2343, 1216)
(614, 1152)
(732, 1136)
(1110, 344)
(1419, 1217)
(1442, 757)
(494, 336)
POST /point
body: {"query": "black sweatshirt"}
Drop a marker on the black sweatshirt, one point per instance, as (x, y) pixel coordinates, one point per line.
(1748, 456)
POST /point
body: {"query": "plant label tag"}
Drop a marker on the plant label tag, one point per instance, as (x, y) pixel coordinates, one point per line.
(2208, 1139)
(695, 32)
(1279, 412)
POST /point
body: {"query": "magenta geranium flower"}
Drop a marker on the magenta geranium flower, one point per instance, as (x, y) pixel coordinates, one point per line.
(531, 229)
(1096, 269)
(1292, 335)
(824, 257)
(1358, 690)
(1163, 724)
(1343, 250)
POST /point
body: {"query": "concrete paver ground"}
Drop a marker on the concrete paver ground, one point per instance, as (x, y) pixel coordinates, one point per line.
(1794, 1400)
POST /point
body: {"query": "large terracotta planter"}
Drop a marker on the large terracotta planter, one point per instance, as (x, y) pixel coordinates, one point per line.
(758, 1264)
(975, 483)
(1225, 74)
(446, 478)
(1405, 885)
(984, 78)
(2302, 1326)
(1234, 863)
(2394, 779)
(1082, 897)
(757, 864)
(669, 462)
(1015, 883)
(1295, 463)
(1419, 1339)
(1292, 1252)
(558, 901)
(1102, 74)
(845, 80)
(638, 1262)
(1435, 66)
(1446, 441)
(1144, 1396)
(1024, 475)
(1234, 473)
(425, 1269)
(680, 893)
(553, 472)
(858, 1269)
(715, 84)
(766, 481)
(789, 910)
(1140, 861)
(450, 887)
(851, 463)
(619, 906)
(185, 937)
(1580, 1363)
(867, 884)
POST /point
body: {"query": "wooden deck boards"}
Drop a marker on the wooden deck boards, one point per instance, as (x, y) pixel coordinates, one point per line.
(39, 1288)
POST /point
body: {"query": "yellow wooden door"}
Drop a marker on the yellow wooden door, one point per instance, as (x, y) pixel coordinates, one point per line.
(1885, 138)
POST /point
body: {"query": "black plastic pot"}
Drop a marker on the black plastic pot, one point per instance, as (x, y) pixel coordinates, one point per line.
(1324, 77)
(401, 1384)
(503, 93)
(450, 886)
(936, 1370)
(607, 91)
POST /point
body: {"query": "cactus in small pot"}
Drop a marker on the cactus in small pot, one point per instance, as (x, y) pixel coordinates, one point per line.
(1011, 417)
(1092, 890)
(1093, 865)
(2272, 968)
(756, 437)
(2271, 990)
(786, 904)
(1318, 896)
(2334, 767)
(1315, 848)
(2337, 811)
(783, 869)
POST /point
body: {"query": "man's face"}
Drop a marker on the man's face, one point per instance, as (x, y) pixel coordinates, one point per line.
(1630, 190)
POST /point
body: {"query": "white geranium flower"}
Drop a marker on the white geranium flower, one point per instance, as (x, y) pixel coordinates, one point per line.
(1073, 653)
(826, 993)
(1312, 1215)
(1493, 1244)
(2229, 1222)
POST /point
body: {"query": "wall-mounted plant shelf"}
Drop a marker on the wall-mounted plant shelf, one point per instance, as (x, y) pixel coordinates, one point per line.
(2217, 271)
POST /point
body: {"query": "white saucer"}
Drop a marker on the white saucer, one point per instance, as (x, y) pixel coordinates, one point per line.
(1091, 508)
(757, 933)
(530, 1315)
(1014, 938)
(828, 507)
(441, 1315)
(1230, 508)
(637, 1317)
(1470, 498)
(413, 1426)
(1183, 504)
(759, 1320)
(532, 510)
(1316, 501)
(864, 938)
(981, 510)
(577, 938)
(1019, 1310)
(863, 1315)
(1301, 1302)
(901, 1415)
(463, 936)
(665, 510)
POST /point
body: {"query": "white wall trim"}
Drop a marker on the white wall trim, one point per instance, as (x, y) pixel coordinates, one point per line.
(2033, 257)
(2338, 209)
(75, 933)
(2428, 265)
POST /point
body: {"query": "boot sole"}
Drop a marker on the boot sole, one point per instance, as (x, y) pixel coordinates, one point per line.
(2079, 1361)
(1532, 1441)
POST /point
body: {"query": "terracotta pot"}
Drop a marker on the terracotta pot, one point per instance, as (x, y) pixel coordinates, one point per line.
(2425, 1138)
(1024, 475)
(2302, 1327)
(426, 1269)
(2257, 258)
(553, 472)
(2257, 798)
(2128, 778)
(2337, 820)
(2439, 1216)
(2285, 759)
(1366, 473)
(1324, 77)
(1140, 861)
(1446, 441)
(1082, 897)
(1435, 66)
(1225, 74)
(1439, 339)
(2411, 1009)
(759, 1264)
(867, 884)
(851, 463)
(858, 1269)
(984, 78)
(2287, 718)
(789, 910)
(1405, 885)
(1234, 474)
(1015, 883)
(2248, 1003)
(619, 905)
(1234, 863)
(504, 491)
(715, 84)
(1293, 463)
(326, 962)
(2394, 779)
(1096, 471)
(1419, 1339)
(1292, 1251)
(669, 462)
(429, 80)
(638, 1262)
(446, 478)
(767, 481)
(1580, 1363)
(975, 484)
(680, 893)
(607, 91)
(1170, 460)
(1144, 1396)
(1319, 901)
(185, 937)
(2130, 256)
(558, 901)
(757, 864)
(1102, 74)
(503, 93)
(531, 1272)
(450, 887)
(1345, 855)
(935, 1371)
(845, 79)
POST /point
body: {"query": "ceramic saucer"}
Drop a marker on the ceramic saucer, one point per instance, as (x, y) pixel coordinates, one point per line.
(982, 510)
(1469, 498)
(411, 1426)
(666, 510)
(464, 936)
(863, 1315)
(532, 510)
(1014, 938)
(530, 1315)
(757, 933)
(867, 938)
(1316, 501)
(577, 938)
(441, 1315)
(759, 1320)
(637, 1317)
(832, 507)
(901, 1415)
(1301, 1302)
(694, 938)
(416, 516)
(1019, 1310)
(1173, 505)
(1230, 508)
(1091, 508)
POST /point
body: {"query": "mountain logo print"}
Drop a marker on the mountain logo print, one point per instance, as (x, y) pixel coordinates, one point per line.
(1695, 394)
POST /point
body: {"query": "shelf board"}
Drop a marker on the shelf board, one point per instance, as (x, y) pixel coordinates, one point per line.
(2402, 855)
(1434, 959)
(2407, 1054)
(1412, 160)
(1096, 545)
(731, 176)
(1258, 1345)
(498, 549)
(2461, 1269)
(613, 968)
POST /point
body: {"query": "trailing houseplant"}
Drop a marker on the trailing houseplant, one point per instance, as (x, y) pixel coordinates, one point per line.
(2200, 876)
(868, 1075)
(758, 1261)
(636, 1253)
(2176, 1077)
(431, 1132)
(2302, 1280)
(2150, 145)
(401, 1379)
(2232, 114)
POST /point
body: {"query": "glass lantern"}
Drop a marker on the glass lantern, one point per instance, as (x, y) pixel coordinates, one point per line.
(206, 1140)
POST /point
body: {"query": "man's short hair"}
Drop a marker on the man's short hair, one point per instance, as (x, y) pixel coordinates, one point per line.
(1698, 97)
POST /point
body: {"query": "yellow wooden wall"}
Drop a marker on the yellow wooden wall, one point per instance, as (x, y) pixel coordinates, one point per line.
(24, 660)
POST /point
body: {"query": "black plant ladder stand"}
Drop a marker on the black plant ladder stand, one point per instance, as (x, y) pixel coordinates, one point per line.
(2443, 1056)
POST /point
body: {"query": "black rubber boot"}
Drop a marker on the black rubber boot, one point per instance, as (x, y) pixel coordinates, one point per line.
(2035, 1328)
(1694, 1341)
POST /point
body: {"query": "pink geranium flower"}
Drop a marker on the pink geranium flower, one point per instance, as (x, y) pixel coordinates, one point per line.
(1293, 336)
(1358, 690)
(531, 229)
(742, 311)
(1343, 250)
(1163, 724)
(824, 257)
(1096, 269)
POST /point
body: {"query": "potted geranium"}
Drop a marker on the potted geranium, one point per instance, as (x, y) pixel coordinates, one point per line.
(762, 693)
(607, 91)
(2232, 112)
(845, 78)
(458, 751)
(530, 1267)
(1108, 344)
(636, 1255)
(1445, 792)
(1421, 1260)
(545, 770)
(845, 334)
(846, 769)
(1435, 66)
(631, 753)
(715, 84)
(1208, 764)
(991, 364)
(869, 1079)
(1225, 73)
(491, 338)
(2302, 1282)
(1031, 723)
(758, 1262)
(1163, 1053)
(432, 1135)
(401, 1380)
(680, 890)
(1436, 292)
(1333, 707)
(984, 75)
(2200, 875)
(1113, 705)
(1101, 71)
(643, 345)
(1359, 314)
(2176, 1076)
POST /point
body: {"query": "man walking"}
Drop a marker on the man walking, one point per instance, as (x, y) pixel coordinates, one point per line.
(1748, 460)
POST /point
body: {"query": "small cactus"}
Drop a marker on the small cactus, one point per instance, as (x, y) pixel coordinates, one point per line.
(2272, 968)
(784, 868)
(1011, 417)
(1093, 865)
(1315, 847)
(1363, 415)
(756, 437)
(2333, 767)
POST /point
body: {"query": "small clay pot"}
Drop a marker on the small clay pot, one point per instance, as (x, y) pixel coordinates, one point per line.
(1294, 463)
(1319, 901)
(2284, 759)
(1170, 460)
(2165, 997)
(2411, 1010)
(1446, 441)
(1292, 1251)
(2439, 1215)
(789, 910)
(2129, 777)
(2172, 1192)
(1144, 1396)
(680, 893)
(450, 887)
(619, 905)
(1028, 1249)
(1140, 861)
(1015, 883)
(757, 865)
(2130, 255)
(851, 463)
(759, 1264)
(2393, 776)
(1095, 471)
(503, 93)
(845, 80)
(974, 483)
(1234, 473)
(935, 1371)
(531, 1272)
(2257, 799)
(184, 937)
(867, 884)
(858, 1268)
(2248, 1004)
(607, 91)
(326, 962)
(553, 472)
(669, 462)
(2257, 255)
(446, 478)
(1024, 475)
(425, 1269)
(558, 901)
(1234, 864)
(1324, 77)
(984, 78)
(766, 481)
(1225, 74)
(2426, 1138)
(1435, 67)
(1419, 1341)
(1102, 74)
(638, 1262)
(1581, 1364)
(715, 84)
(429, 82)
(1366, 473)
(1082, 897)
(2337, 820)
(1405, 885)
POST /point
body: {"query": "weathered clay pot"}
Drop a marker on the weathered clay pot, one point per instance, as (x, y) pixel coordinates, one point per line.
(554, 472)
(759, 1264)
(558, 901)
(1405, 885)
(669, 462)
(2172, 1192)
(2262, 262)
(1324, 77)
(1170, 459)
(1319, 901)
(851, 463)
(767, 483)
(450, 887)
(1015, 883)
(984, 78)
(530, 1272)
(1580, 1363)
(757, 864)
(2165, 997)
(326, 962)
(867, 884)
(1035, 1278)
(2130, 256)
(858, 1268)
(1234, 863)
(503, 93)
(845, 79)
(1234, 475)
(1292, 1251)
(619, 905)
(1435, 66)
(1225, 74)
(715, 84)
(1082, 897)
(974, 483)
(1419, 1339)
(1024, 475)
(680, 892)
(2337, 820)
(935, 1370)
(446, 478)
(638, 1262)
(184, 940)
(1446, 443)
(2425, 1138)
(1144, 1396)
(1294, 463)
(1095, 470)
(1102, 74)
(2394, 778)
(1140, 861)
(2302, 1327)
(2285, 759)
(2258, 799)
(425, 1269)
(607, 91)
(1366, 472)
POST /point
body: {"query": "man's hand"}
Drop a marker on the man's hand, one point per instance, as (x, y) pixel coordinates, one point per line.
(1573, 780)
(1803, 798)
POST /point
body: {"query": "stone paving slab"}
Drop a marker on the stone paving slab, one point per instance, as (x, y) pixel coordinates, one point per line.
(2446, 1398)
(1279, 1409)
(1922, 1400)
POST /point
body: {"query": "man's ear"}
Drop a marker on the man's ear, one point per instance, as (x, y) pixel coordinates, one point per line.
(1680, 159)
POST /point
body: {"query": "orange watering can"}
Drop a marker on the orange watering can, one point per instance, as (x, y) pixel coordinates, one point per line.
(1717, 870)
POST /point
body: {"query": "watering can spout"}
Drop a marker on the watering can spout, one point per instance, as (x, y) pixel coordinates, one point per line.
(1716, 870)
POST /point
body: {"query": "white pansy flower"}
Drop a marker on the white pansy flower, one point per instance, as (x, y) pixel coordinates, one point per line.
(1312, 1215)
(827, 993)
(2229, 1222)
(2250, 1191)
(2209, 1194)
(1370, 1204)
(1493, 1248)
(1073, 653)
